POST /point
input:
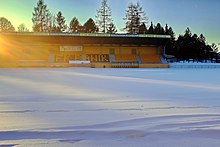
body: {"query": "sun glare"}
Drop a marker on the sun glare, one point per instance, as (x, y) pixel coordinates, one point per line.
(3, 50)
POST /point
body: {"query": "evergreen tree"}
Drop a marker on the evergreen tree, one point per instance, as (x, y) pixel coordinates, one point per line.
(170, 46)
(22, 28)
(188, 32)
(90, 26)
(41, 17)
(171, 33)
(60, 20)
(111, 29)
(158, 29)
(74, 24)
(53, 24)
(190, 46)
(202, 38)
(135, 16)
(143, 29)
(214, 48)
(151, 29)
(103, 17)
(166, 30)
(5, 25)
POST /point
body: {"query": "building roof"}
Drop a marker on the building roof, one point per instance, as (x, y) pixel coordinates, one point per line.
(88, 38)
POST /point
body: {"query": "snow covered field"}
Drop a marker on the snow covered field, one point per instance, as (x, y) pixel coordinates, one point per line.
(85, 107)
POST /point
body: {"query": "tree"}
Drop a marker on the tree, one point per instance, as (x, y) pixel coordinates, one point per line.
(202, 38)
(103, 17)
(151, 28)
(22, 28)
(41, 17)
(135, 16)
(111, 29)
(74, 24)
(171, 33)
(90, 26)
(51, 23)
(5, 25)
(142, 29)
(158, 29)
(214, 47)
(166, 30)
(190, 46)
(188, 32)
(60, 20)
(170, 46)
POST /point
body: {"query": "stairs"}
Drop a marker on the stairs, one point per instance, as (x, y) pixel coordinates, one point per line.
(138, 59)
(111, 58)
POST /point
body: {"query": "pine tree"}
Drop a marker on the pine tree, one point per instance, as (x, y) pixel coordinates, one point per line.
(60, 20)
(74, 24)
(214, 47)
(103, 17)
(40, 17)
(5, 25)
(170, 46)
(151, 29)
(202, 38)
(53, 24)
(90, 26)
(135, 16)
(143, 29)
(171, 33)
(166, 30)
(111, 29)
(188, 32)
(158, 29)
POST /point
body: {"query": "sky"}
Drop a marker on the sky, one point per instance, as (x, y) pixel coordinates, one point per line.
(201, 16)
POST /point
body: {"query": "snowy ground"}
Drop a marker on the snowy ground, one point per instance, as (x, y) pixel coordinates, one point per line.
(85, 107)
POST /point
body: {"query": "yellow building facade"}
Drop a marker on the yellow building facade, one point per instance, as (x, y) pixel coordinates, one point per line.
(44, 49)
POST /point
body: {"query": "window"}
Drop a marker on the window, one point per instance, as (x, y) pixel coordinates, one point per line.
(134, 51)
(112, 51)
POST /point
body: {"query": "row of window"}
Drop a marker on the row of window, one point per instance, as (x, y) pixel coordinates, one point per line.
(112, 51)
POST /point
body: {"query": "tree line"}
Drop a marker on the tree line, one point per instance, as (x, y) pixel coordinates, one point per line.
(187, 46)
(44, 21)
(190, 46)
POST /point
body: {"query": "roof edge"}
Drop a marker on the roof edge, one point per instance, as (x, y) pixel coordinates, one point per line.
(86, 34)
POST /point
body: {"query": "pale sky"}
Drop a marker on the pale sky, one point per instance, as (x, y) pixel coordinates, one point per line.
(201, 16)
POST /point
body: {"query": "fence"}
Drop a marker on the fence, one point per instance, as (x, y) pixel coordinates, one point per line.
(195, 65)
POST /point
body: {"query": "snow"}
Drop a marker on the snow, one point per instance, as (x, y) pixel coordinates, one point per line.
(86, 107)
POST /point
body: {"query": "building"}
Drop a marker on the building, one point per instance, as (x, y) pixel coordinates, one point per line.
(82, 49)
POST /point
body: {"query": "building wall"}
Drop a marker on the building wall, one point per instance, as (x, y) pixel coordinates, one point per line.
(91, 51)
(118, 50)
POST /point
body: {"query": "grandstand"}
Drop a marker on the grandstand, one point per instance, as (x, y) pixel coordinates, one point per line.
(150, 58)
(125, 58)
(101, 50)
